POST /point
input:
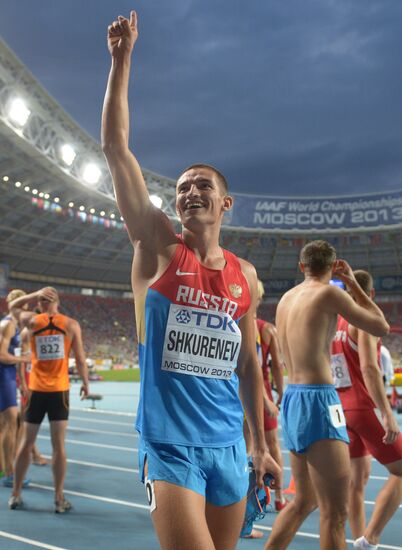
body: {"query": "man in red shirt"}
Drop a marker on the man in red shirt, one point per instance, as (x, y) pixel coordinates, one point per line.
(372, 427)
(271, 360)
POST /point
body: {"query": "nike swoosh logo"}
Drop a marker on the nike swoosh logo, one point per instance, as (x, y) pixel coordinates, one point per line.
(181, 273)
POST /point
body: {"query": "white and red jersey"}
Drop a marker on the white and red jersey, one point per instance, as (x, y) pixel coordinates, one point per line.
(346, 370)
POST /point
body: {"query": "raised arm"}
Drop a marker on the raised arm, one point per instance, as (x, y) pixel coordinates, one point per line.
(144, 221)
(360, 311)
(367, 346)
(17, 306)
(79, 354)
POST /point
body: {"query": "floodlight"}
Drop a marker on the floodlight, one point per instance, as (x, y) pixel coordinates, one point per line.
(5, 178)
(112, 216)
(18, 112)
(18, 184)
(82, 208)
(71, 204)
(157, 201)
(34, 191)
(91, 173)
(27, 188)
(41, 194)
(56, 199)
(102, 212)
(67, 154)
(47, 196)
(92, 210)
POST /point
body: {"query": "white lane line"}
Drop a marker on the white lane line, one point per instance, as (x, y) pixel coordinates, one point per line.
(145, 507)
(314, 536)
(135, 449)
(30, 541)
(100, 421)
(97, 465)
(91, 430)
(380, 478)
(102, 411)
(89, 444)
(94, 497)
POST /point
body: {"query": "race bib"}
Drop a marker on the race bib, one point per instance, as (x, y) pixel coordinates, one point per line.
(337, 416)
(200, 342)
(340, 371)
(49, 347)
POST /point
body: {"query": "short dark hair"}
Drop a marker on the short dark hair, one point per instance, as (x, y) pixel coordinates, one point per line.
(318, 256)
(365, 280)
(221, 178)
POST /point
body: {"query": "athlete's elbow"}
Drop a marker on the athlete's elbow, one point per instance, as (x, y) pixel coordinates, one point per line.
(386, 328)
(382, 328)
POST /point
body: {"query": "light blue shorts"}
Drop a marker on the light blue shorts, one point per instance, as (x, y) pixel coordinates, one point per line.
(311, 413)
(219, 474)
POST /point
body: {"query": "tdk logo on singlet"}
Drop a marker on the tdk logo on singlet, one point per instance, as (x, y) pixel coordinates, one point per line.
(205, 319)
(183, 317)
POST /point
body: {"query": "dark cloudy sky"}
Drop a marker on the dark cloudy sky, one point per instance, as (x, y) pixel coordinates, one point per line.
(286, 97)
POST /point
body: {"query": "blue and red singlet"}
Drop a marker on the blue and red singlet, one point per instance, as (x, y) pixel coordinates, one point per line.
(189, 342)
(8, 372)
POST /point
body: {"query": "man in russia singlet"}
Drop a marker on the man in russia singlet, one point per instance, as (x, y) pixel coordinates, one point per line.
(194, 309)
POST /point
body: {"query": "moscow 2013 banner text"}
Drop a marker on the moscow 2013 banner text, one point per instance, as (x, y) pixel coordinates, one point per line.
(374, 211)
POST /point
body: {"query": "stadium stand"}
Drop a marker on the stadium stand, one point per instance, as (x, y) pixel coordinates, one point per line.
(58, 229)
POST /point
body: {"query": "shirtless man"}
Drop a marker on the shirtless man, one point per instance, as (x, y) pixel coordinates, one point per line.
(53, 335)
(371, 424)
(313, 422)
(195, 305)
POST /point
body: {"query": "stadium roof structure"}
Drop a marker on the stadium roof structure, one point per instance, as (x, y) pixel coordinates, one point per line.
(58, 228)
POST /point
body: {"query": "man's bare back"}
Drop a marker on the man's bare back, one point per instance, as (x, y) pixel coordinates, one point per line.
(305, 329)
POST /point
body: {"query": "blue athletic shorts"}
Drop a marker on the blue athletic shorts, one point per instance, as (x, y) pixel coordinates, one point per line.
(8, 395)
(310, 413)
(219, 474)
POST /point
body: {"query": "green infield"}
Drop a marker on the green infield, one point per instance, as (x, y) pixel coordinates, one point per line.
(124, 375)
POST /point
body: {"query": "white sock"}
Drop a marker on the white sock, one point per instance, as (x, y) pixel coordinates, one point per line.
(362, 542)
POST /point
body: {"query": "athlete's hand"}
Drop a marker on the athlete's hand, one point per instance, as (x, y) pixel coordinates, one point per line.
(47, 294)
(265, 464)
(270, 408)
(25, 357)
(24, 391)
(391, 428)
(84, 390)
(344, 272)
(122, 35)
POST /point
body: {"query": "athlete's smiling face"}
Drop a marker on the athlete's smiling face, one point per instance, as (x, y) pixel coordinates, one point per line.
(201, 197)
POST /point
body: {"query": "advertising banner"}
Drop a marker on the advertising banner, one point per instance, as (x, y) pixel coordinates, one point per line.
(374, 211)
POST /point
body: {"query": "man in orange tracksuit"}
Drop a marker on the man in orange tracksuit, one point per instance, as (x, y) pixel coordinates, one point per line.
(52, 336)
